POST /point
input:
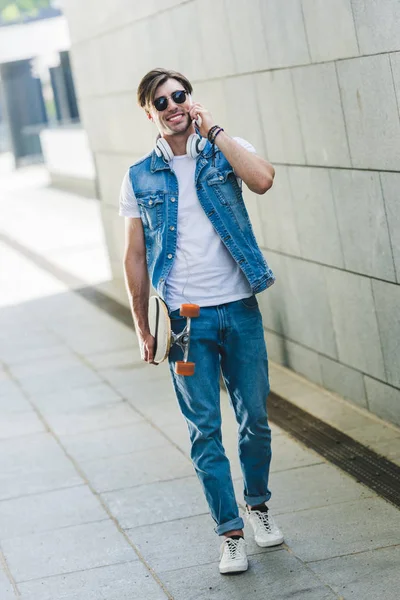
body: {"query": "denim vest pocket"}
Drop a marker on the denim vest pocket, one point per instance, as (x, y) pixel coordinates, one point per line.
(151, 208)
(224, 183)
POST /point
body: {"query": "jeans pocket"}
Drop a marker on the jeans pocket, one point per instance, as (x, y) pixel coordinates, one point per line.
(250, 302)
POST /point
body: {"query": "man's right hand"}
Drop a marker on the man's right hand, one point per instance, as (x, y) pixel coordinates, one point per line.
(147, 348)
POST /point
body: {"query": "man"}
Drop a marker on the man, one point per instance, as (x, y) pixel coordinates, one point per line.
(187, 226)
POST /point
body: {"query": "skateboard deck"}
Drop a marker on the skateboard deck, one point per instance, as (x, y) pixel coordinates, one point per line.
(160, 328)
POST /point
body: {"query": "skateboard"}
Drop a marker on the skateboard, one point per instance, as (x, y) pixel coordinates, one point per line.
(160, 329)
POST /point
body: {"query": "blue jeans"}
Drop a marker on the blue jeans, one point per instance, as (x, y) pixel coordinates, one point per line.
(230, 338)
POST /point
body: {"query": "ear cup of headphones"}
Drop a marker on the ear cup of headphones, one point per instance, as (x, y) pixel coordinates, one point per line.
(195, 144)
(164, 149)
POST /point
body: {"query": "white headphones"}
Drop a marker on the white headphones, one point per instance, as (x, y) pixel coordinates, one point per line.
(194, 146)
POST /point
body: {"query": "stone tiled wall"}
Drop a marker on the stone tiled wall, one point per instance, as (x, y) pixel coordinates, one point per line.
(315, 86)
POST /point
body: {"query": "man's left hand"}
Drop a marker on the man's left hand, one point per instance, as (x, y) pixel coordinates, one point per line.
(198, 110)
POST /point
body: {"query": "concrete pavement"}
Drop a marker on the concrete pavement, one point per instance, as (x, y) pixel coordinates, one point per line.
(98, 498)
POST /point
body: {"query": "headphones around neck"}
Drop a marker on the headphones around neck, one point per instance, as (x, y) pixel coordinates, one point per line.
(194, 146)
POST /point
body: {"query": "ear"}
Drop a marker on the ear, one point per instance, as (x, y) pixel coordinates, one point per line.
(149, 116)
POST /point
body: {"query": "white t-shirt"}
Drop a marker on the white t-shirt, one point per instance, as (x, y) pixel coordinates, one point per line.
(203, 271)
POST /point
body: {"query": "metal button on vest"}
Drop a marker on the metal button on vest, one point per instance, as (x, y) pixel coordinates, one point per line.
(172, 199)
(150, 202)
(172, 228)
(169, 255)
(221, 177)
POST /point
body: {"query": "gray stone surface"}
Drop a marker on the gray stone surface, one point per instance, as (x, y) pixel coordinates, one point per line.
(64, 401)
(321, 116)
(20, 424)
(356, 330)
(390, 187)
(301, 297)
(47, 511)
(209, 15)
(280, 117)
(343, 380)
(383, 399)
(303, 361)
(246, 29)
(314, 209)
(65, 550)
(376, 24)
(362, 223)
(288, 454)
(112, 442)
(242, 92)
(364, 576)
(323, 38)
(285, 33)
(157, 502)
(316, 486)
(278, 216)
(387, 304)
(341, 529)
(371, 112)
(6, 588)
(273, 574)
(93, 419)
(44, 468)
(139, 468)
(128, 581)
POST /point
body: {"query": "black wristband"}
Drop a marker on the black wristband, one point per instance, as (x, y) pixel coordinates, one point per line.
(217, 133)
(211, 132)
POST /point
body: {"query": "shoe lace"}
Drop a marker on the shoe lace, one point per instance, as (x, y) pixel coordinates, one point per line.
(264, 520)
(233, 548)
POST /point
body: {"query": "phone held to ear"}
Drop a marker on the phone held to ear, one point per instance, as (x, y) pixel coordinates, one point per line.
(197, 121)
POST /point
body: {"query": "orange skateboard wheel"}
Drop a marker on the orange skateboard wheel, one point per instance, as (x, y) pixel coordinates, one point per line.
(184, 368)
(189, 310)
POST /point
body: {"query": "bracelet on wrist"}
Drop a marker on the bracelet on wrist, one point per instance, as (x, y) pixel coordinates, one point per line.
(211, 132)
(217, 133)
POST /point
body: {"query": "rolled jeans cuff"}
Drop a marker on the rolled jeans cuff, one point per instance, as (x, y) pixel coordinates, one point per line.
(256, 500)
(230, 526)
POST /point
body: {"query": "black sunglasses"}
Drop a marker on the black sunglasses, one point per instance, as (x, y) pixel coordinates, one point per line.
(178, 97)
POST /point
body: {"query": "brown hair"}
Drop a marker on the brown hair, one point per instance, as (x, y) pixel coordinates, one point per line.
(150, 82)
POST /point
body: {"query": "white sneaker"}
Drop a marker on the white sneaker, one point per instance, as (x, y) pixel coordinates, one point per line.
(233, 556)
(266, 531)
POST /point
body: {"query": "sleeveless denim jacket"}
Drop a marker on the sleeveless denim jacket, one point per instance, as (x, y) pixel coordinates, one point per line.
(156, 190)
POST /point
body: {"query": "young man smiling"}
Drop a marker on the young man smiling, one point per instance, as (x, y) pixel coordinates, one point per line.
(188, 232)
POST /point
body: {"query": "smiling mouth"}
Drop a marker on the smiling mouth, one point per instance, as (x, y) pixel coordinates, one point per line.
(175, 117)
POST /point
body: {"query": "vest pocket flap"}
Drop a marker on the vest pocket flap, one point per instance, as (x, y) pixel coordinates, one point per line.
(216, 176)
(150, 200)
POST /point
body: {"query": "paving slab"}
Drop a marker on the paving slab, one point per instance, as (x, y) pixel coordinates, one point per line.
(116, 358)
(277, 575)
(363, 576)
(94, 418)
(79, 398)
(313, 486)
(6, 588)
(112, 442)
(157, 502)
(138, 468)
(49, 510)
(346, 528)
(128, 581)
(186, 542)
(45, 467)
(13, 425)
(65, 550)
(69, 378)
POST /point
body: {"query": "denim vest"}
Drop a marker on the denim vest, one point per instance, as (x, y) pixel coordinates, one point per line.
(156, 190)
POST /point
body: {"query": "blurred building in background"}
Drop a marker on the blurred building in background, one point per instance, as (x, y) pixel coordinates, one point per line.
(315, 86)
(39, 116)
